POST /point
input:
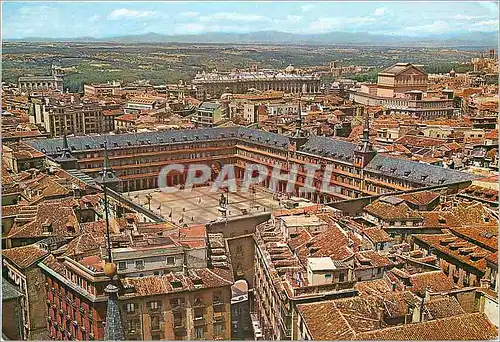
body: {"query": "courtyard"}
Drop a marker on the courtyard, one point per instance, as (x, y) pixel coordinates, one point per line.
(201, 205)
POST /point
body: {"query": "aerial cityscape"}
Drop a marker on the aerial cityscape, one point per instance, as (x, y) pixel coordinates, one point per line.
(250, 170)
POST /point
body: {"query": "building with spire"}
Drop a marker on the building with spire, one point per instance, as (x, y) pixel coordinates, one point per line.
(107, 177)
(364, 152)
(66, 160)
(299, 138)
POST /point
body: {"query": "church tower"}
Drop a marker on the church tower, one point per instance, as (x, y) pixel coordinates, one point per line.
(66, 160)
(299, 138)
(107, 177)
(364, 152)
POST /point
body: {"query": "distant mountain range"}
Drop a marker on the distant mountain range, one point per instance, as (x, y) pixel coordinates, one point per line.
(479, 39)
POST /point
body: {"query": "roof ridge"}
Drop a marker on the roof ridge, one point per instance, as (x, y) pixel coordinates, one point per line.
(210, 270)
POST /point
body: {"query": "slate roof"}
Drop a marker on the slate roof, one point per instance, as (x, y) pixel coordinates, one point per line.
(419, 173)
(316, 145)
(331, 148)
(9, 291)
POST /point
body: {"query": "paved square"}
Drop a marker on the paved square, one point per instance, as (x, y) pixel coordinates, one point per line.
(200, 205)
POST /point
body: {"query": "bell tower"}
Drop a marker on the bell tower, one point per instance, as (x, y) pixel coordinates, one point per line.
(66, 160)
(364, 152)
(299, 138)
(107, 177)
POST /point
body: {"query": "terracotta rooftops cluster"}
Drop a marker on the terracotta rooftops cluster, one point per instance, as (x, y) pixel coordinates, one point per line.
(378, 317)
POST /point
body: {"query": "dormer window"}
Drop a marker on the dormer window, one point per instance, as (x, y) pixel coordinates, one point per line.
(58, 149)
(442, 180)
(407, 173)
(424, 177)
(47, 227)
(73, 147)
(176, 284)
(129, 143)
(393, 169)
(87, 146)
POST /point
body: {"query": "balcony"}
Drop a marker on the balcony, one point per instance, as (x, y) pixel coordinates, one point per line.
(199, 321)
(217, 302)
(219, 316)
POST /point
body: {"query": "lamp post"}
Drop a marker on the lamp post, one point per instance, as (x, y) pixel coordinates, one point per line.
(149, 197)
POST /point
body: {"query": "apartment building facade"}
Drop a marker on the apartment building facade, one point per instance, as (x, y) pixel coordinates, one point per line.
(71, 117)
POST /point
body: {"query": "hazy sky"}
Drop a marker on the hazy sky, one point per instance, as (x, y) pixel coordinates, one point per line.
(104, 19)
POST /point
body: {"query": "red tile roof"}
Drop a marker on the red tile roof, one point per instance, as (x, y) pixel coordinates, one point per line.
(420, 198)
(390, 212)
(474, 326)
(25, 256)
(63, 221)
(444, 307)
(171, 283)
(377, 235)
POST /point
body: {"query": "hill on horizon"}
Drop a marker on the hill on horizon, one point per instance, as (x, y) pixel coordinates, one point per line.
(489, 39)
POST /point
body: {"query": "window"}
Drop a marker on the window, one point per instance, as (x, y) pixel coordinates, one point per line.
(133, 325)
(130, 307)
(170, 260)
(328, 277)
(153, 305)
(218, 329)
(155, 323)
(122, 265)
(198, 333)
(139, 264)
(341, 277)
(198, 313)
(216, 298)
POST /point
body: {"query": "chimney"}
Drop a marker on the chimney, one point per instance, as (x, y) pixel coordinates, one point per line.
(427, 294)
(72, 99)
(393, 285)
